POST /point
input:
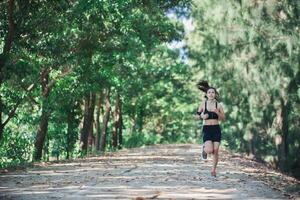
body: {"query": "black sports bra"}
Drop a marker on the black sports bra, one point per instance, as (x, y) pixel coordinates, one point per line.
(211, 115)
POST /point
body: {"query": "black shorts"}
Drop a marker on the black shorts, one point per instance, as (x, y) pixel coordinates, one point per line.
(212, 133)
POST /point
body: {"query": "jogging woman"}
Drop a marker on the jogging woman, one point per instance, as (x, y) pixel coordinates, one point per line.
(211, 111)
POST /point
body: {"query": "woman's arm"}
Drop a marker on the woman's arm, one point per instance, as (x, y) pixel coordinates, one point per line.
(200, 109)
(200, 112)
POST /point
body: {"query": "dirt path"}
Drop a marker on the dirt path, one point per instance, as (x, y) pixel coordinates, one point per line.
(154, 172)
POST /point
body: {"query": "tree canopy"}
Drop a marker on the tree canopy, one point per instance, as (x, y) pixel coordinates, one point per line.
(82, 77)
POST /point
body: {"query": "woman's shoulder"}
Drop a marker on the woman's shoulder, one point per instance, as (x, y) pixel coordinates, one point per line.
(219, 104)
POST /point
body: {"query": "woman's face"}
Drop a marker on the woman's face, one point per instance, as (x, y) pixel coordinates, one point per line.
(211, 94)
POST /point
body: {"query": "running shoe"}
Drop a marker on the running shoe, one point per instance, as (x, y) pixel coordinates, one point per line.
(203, 154)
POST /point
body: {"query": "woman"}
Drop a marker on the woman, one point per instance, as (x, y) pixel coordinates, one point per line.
(211, 112)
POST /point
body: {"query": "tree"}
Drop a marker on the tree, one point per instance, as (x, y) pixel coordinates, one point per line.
(250, 50)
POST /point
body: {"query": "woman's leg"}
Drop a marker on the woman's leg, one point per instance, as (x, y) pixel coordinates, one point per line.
(216, 157)
(208, 146)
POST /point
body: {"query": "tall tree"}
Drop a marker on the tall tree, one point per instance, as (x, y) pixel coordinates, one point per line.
(250, 49)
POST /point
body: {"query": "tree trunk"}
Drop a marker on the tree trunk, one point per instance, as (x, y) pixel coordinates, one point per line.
(89, 105)
(42, 132)
(120, 124)
(8, 41)
(140, 119)
(43, 127)
(285, 133)
(105, 121)
(282, 138)
(1, 105)
(91, 138)
(83, 136)
(97, 122)
(71, 130)
(116, 121)
(251, 147)
(1, 131)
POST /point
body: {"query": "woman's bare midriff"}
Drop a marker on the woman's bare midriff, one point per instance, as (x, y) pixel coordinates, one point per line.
(211, 122)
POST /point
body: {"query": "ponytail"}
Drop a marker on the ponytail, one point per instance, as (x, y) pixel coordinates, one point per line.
(203, 86)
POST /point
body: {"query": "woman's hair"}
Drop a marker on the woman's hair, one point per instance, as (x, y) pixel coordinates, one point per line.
(204, 87)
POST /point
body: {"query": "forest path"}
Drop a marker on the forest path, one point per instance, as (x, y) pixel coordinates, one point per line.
(153, 172)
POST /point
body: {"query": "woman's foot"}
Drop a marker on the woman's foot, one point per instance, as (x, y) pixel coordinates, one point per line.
(203, 154)
(213, 173)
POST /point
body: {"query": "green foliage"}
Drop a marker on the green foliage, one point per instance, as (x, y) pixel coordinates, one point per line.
(249, 50)
(15, 147)
(89, 46)
(136, 139)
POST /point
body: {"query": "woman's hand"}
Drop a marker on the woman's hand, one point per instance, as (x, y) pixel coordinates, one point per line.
(204, 116)
(220, 113)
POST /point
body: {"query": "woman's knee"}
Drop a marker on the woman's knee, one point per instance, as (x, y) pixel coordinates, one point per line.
(208, 150)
